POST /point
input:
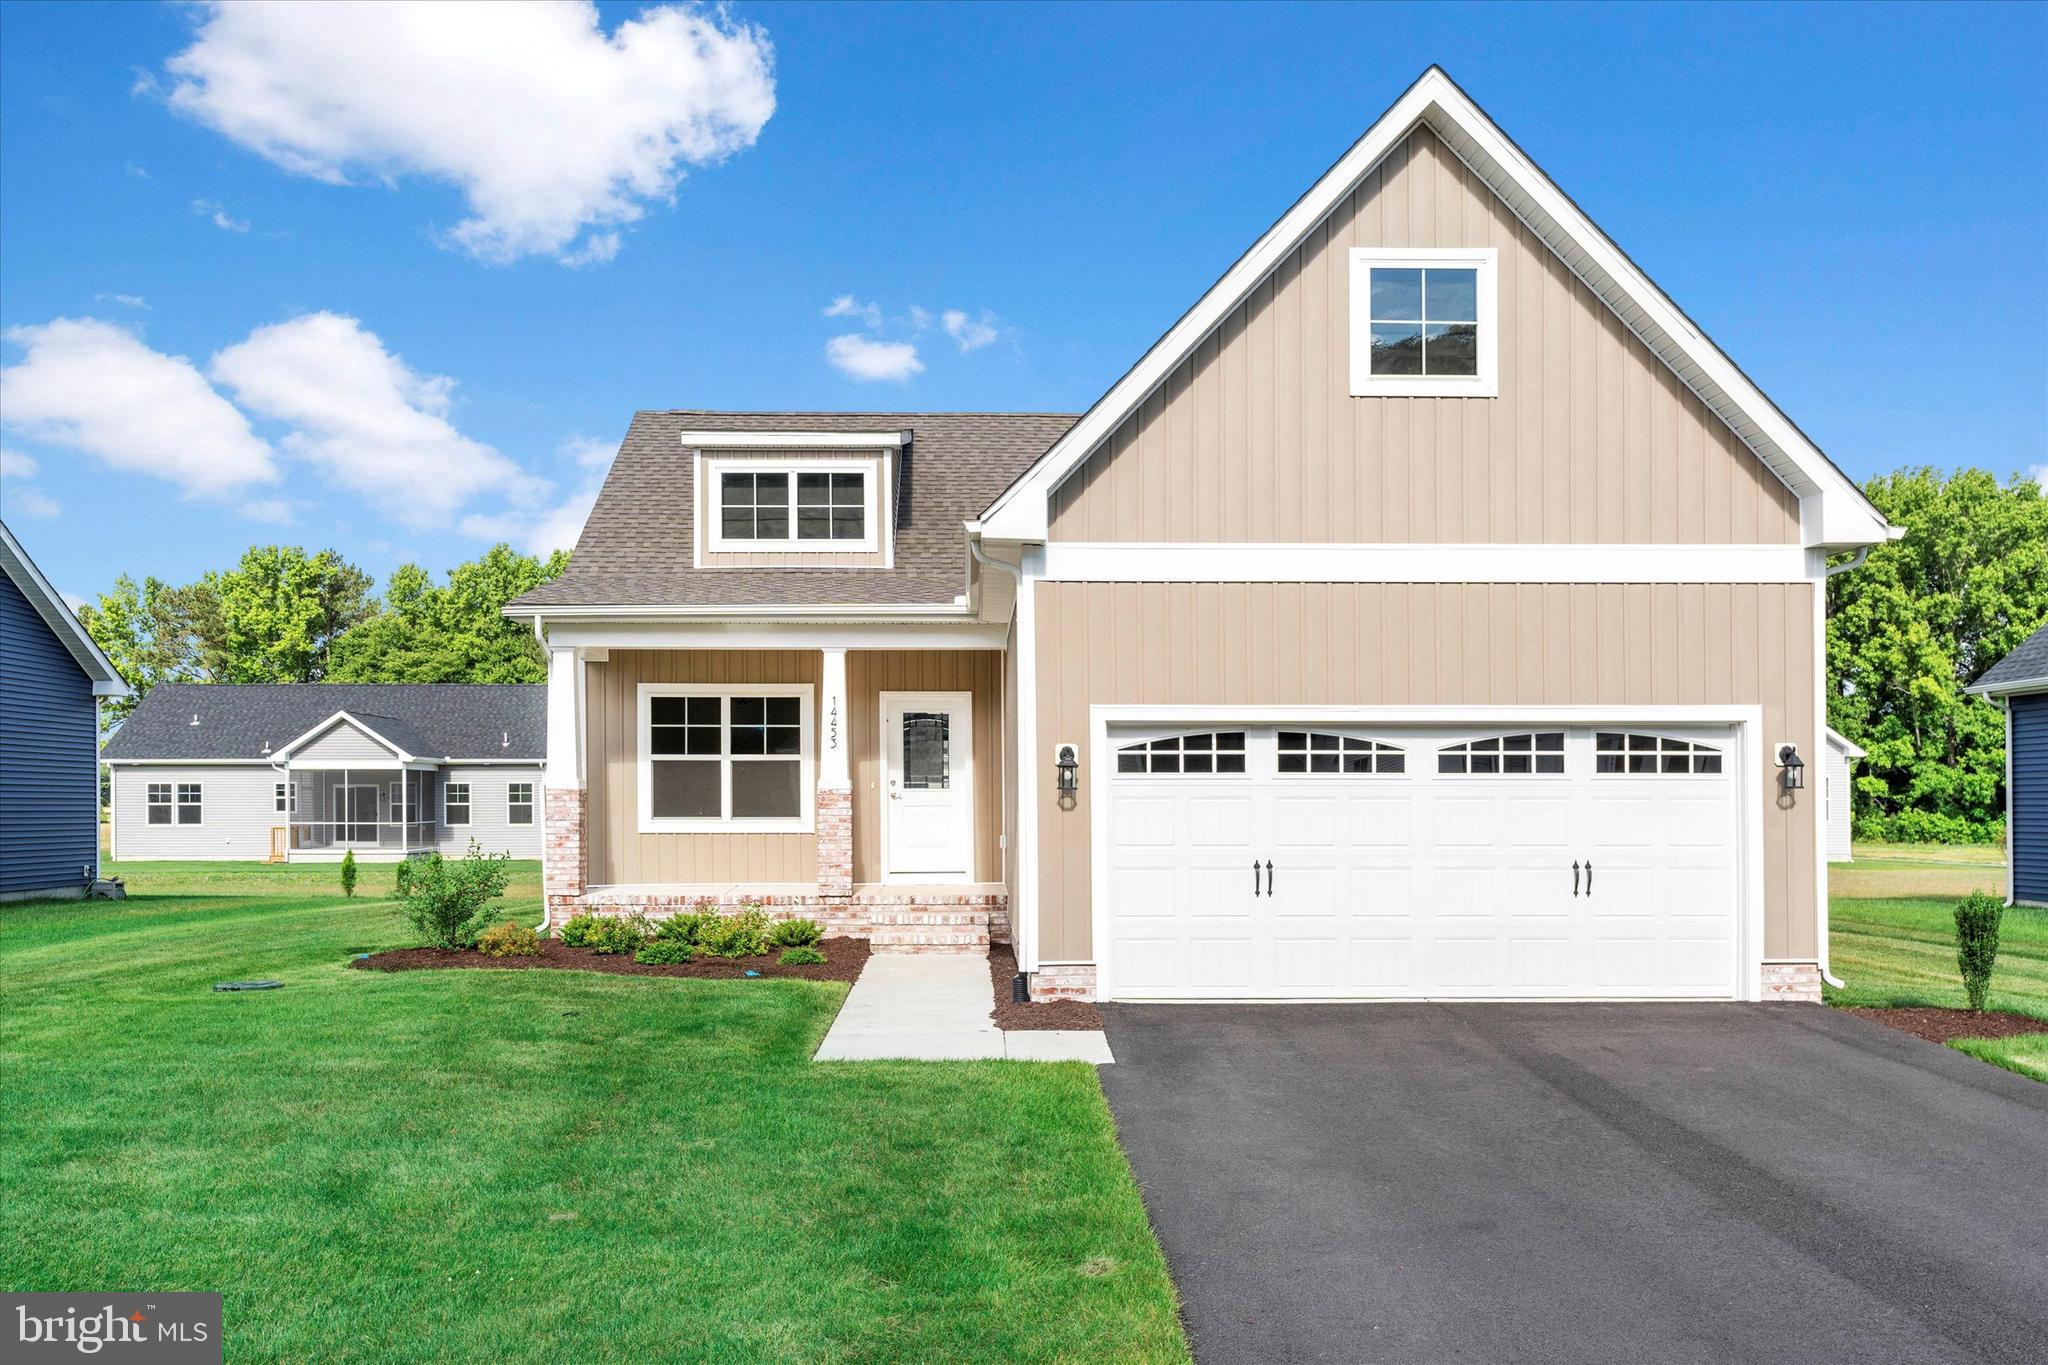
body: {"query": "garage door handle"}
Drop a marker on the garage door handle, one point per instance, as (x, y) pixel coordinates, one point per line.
(1269, 877)
(1575, 877)
(1589, 876)
(1255, 876)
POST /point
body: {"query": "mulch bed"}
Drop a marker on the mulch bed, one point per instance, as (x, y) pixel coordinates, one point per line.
(1939, 1025)
(1043, 1014)
(844, 957)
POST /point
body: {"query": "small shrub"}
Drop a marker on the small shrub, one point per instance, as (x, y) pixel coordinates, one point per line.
(1977, 917)
(505, 939)
(614, 935)
(741, 935)
(401, 880)
(663, 952)
(687, 927)
(795, 933)
(803, 955)
(449, 903)
(577, 929)
(348, 873)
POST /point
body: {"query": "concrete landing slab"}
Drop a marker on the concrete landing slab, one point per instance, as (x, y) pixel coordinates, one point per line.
(934, 1007)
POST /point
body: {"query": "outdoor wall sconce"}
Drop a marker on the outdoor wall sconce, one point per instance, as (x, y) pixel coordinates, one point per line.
(1791, 768)
(1068, 767)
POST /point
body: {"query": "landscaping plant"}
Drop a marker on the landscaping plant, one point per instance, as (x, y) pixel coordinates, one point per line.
(401, 880)
(576, 931)
(348, 873)
(663, 952)
(618, 935)
(796, 933)
(449, 903)
(1977, 917)
(741, 935)
(803, 955)
(505, 939)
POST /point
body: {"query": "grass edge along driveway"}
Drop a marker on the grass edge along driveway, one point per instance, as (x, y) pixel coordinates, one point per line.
(534, 1165)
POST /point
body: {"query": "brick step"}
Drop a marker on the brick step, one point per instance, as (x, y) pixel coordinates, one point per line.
(937, 918)
(929, 941)
(965, 949)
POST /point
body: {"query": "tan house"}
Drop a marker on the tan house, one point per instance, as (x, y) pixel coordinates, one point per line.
(1434, 611)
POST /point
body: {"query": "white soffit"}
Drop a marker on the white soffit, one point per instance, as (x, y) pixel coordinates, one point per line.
(1847, 517)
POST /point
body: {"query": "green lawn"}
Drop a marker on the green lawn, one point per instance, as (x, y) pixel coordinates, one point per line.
(531, 1165)
(1895, 948)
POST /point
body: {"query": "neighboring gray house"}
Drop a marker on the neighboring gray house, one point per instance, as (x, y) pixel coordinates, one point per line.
(51, 679)
(1841, 770)
(2019, 684)
(306, 772)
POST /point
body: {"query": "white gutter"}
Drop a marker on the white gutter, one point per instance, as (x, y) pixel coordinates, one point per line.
(780, 611)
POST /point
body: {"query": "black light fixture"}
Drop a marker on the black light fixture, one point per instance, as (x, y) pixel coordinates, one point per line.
(1068, 766)
(1791, 768)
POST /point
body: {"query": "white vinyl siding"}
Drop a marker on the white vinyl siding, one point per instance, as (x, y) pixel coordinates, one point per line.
(489, 812)
(238, 809)
(342, 745)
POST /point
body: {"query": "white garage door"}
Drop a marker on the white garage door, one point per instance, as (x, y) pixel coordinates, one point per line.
(1336, 862)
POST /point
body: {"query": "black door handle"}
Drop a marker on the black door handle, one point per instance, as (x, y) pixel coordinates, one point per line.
(1589, 876)
(1269, 877)
(1575, 877)
(1255, 876)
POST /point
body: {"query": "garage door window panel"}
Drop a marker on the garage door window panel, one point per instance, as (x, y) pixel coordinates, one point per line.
(1208, 753)
(1536, 754)
(1313, 751)
(1637, 755)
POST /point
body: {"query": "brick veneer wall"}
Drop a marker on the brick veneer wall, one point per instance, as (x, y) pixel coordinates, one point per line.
(1063, 981)
(835, 841)
(1792, 981)
(562, 866)
(852, 916)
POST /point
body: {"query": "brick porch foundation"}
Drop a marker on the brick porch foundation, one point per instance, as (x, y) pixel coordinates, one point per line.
(562, 847)
(1063, 981)
(892, 921)
(835, 841)
(1797, 982)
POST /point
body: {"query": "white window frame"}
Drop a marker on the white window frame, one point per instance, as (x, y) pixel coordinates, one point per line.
(1373, 774)
(1130, 744)
(711, 489)
(530, 803)
(1699, 746)
(468, 808)
(1562, 754)
(807, 763)
(169, 803)
(1366, 384)
(179, 803)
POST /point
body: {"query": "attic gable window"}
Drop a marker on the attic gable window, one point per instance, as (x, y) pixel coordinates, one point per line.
(799, 505)
(1424, 323)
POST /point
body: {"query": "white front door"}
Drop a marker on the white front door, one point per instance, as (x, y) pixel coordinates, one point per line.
(1334, 862)
(927, 786)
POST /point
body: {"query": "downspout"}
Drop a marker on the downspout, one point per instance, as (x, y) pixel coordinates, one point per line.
(540, 638)
(1853, 562)
(1019, 987)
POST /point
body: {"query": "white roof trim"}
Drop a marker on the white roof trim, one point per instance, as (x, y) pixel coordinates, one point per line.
(1846, 518)
(356, 721)
(62, 621)
(795, 440)
(1849, 747)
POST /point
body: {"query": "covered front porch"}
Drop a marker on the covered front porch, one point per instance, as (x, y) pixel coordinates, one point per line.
(862, 787)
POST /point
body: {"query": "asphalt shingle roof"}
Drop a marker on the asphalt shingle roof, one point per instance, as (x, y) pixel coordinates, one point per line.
(430, 720)
(637, 550)
(2027, 663)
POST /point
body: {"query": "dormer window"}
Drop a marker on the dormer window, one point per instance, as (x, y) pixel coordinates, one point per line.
(805, 505)
(1423, 323)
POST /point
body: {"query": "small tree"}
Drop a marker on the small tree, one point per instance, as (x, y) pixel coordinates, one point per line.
(1977, 917)
(448, 903)
(348, 873)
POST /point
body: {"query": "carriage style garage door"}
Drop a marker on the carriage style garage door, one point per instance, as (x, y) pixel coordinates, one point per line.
(1331, 862)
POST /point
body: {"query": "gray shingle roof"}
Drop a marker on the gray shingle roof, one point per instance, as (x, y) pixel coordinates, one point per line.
(636, 548)
(2028, 663)
(431, 720)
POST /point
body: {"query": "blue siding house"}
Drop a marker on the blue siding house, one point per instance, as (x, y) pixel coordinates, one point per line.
(2019, 683)
(51, 679)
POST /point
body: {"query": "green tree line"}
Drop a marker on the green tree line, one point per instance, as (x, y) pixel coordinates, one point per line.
(286, 615)
(1916, 624)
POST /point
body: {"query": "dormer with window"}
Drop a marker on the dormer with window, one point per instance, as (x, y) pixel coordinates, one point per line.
(809, 500)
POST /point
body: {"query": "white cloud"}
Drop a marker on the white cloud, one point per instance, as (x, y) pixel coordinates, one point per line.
(920, 318)
(552, 130)
(219, 216)
(545, 528)
(274, 511)
(365, 419)
(970, 334)
(846, 306)
(15, 465)
(589, 451)
(135, 301)
(867, 359)
(90, 386)
(138, 172)
(73, 601)
(30, 503)
(15, 500)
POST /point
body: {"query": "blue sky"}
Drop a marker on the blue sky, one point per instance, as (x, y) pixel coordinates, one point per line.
(426, 330)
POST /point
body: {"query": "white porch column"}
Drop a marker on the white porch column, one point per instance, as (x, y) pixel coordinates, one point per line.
(835, 779)
(562, 852)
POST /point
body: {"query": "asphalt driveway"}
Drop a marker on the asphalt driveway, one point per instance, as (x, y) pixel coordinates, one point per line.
(1583, 1183)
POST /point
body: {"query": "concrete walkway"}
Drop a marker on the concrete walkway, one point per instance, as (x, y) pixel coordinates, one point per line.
(934, 1007)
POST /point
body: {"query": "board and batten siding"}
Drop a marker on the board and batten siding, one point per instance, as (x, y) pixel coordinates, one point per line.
(238, 808)
(617, 853)
(490, 821)
(1426, 645)
(1255, 437)
(869, 673)
(2027, 801)
(49, 755)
